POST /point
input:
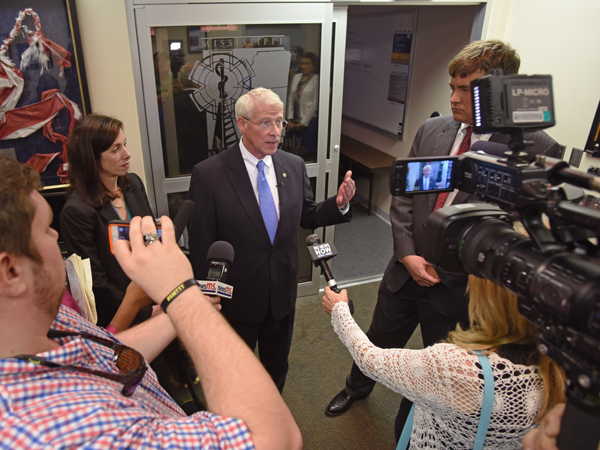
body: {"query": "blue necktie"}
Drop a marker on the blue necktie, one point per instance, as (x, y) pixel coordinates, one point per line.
(265, 200)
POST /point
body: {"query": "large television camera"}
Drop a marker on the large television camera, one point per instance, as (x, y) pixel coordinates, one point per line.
(555, 272)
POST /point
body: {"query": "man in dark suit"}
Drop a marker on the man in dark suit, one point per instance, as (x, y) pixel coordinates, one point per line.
(234, 191)
(424, 182)
(190, 123)
(411, 292)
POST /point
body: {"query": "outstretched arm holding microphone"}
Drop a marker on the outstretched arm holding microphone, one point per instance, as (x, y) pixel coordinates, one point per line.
(233, 380)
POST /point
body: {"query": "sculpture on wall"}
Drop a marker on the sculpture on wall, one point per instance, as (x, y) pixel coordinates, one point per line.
(21, 122)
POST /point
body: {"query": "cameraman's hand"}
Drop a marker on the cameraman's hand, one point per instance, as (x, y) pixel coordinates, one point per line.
(544, 437)
(331, 298)
(157, 268)
(420, 270)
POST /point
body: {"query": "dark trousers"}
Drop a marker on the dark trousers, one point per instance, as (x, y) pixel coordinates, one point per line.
(395, 318)
(274, 338)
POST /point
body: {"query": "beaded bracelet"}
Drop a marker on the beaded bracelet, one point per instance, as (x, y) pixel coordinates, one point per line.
(175, 292)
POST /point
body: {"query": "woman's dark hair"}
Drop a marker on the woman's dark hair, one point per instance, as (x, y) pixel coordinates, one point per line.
(91, 136)
(314, 59)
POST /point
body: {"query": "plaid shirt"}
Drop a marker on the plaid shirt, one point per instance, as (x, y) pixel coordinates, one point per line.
(43, 408)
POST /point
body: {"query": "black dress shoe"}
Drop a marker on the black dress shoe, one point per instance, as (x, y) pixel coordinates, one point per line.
(340, 404)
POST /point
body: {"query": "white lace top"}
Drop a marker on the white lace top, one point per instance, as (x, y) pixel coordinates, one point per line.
(446, 384)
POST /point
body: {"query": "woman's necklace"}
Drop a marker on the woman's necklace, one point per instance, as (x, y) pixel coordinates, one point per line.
(122, 198)
(305, 78)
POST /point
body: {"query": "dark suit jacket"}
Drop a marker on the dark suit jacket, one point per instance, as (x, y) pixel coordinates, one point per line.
(84, 230)
(227, 210)
(408, 214)
(192, 133)
(419, 183)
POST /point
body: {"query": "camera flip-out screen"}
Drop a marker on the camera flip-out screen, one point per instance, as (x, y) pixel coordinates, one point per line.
(423, 175)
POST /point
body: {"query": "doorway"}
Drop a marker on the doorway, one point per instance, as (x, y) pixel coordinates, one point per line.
(195, 60)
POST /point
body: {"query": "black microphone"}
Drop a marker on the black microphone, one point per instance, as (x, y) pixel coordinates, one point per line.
(182, 218)
(319, 254)
(220, 256)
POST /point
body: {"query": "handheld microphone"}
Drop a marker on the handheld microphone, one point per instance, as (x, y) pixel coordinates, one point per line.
(319, 254)
(220, 256)
(182, 218)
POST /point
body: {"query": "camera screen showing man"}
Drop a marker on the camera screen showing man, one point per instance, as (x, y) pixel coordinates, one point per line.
(427, 176)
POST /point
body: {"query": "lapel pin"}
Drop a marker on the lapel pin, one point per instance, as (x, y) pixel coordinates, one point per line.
(284, 175)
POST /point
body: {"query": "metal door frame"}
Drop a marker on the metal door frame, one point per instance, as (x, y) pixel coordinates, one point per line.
(142, 15)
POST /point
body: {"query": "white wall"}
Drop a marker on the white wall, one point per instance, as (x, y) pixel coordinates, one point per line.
(106, 52)
(441, 32)
(561, 39)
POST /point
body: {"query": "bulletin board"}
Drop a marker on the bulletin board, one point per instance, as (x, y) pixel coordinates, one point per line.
(379, 51)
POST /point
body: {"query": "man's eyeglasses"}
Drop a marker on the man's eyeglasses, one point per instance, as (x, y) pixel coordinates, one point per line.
(130, 362)
(267, 124)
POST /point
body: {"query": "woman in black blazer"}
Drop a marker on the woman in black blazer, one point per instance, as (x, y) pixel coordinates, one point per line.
(101, 191)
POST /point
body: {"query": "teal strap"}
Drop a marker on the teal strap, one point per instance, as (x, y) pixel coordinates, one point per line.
(486, 408)
(488, 401)
(407, 430)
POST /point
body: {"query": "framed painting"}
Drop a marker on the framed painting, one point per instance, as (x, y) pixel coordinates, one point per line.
(43, 87)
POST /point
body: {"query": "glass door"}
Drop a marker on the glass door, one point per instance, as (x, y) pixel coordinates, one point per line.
(196, 60)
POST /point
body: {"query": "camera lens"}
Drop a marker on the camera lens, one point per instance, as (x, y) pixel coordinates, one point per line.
(485, 241)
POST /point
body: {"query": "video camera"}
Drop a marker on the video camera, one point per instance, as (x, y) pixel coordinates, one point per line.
(555, 272)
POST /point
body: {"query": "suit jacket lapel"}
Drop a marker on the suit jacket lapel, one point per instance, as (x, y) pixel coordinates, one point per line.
(133, 203)
(285, 190)
(108, 213)
(240, 181)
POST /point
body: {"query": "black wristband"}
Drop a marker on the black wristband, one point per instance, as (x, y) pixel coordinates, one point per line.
(175, 292)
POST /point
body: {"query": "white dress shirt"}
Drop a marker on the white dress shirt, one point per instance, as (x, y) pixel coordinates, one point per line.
(251, 161)
(459, 138)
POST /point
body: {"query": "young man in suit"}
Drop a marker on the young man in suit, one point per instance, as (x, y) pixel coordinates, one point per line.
(256, 197)
(411, 292)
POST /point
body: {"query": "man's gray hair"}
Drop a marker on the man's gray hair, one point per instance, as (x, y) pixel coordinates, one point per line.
(184, 76)
(244, 107)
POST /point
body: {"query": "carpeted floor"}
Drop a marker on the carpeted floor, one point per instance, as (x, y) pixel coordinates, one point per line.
(319, 364)
(364, 247)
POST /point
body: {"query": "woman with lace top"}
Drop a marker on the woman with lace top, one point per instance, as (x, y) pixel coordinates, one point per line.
(445, 381)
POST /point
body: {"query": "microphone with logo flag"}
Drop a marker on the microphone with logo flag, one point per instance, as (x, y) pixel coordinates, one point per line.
(220, 256)
(319, 254)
